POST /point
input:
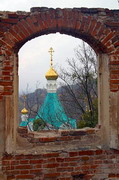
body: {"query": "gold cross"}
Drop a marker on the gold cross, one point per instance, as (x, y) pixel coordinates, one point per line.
(51, 53)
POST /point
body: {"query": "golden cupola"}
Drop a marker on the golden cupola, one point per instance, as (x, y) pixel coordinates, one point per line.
(51, 74)
(24, 110)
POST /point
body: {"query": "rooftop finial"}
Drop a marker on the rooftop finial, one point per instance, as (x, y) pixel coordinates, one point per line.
(24, 110)
(24, 97)
(51, 54)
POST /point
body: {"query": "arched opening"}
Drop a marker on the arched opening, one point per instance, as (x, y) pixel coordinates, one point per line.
(78, 94)
(101, 81)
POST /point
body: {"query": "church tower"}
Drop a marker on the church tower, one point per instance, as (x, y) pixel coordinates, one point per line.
(51, 110)
(24, 114)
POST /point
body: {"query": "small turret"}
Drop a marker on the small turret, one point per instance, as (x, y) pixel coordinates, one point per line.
(24, 114)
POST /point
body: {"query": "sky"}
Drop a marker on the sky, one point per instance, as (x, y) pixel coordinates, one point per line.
(34, 58)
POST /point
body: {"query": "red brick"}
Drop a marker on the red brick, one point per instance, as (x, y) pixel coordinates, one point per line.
(8, 88)
(13, 15)
(24, 166)
(1, 97)
(36, 161)
(71, 159)
(62, 169)
(108, 37)
(111, 175)
(88, 152)
(24, 31)
(11, 21)
(30, 156)
(87, 23)
(17, 30)
(9, 68)
(92, 25)
(7, 157)
(24, 162)
(51, 155)
(65, 138)
(60, 159)
(7, 78)
(24, 172)
(10, 177)
(52, 175)
(114, 76)
(114, 81)
(38, 166)
(26, 176)
(35, 171)
(116, 43)
(49, 139)
(15, 34)
(6, 73)
(68, 178)
(72, 154)
(114, 62)
(54, 165)
(19, 157)
(51, 159)
(98, 152)
(85, 158)
(114, 71)
(83, 23)
(29, 21)
(65, 164)
(27, 26)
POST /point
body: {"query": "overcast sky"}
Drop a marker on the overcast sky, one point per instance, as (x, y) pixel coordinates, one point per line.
(33, 56)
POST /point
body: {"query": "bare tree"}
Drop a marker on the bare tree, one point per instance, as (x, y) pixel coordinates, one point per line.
(80, 82)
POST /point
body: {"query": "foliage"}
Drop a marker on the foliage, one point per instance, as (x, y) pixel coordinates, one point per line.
(89, 119)
(38, 124)
(81, 124)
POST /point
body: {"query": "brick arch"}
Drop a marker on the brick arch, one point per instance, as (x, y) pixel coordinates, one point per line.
(67, 21)
(98, 27)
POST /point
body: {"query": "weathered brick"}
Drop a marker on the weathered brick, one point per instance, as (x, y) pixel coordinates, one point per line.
(26, 166)
(54, 165)
(72, 154)
(26, 176)
(52, 175)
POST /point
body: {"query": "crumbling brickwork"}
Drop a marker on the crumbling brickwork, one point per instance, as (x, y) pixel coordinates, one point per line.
(100, 29)
(86, 164)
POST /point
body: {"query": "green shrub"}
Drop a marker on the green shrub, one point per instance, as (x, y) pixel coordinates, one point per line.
(81, 124)
(39, 124)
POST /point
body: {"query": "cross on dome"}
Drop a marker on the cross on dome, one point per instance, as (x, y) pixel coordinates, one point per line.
(51, 54)
(24, 110)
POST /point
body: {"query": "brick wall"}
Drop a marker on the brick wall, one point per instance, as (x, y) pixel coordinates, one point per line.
(62, 139)
(76, 165)
(100, 29)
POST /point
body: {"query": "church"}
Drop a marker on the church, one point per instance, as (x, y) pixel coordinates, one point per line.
(51, 111)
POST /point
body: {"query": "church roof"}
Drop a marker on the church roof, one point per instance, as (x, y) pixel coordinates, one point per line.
(53, 113)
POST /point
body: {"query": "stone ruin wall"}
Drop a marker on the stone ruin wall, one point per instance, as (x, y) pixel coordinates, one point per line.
(66, 155)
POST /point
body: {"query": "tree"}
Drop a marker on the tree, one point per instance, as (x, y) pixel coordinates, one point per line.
(79, 93)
